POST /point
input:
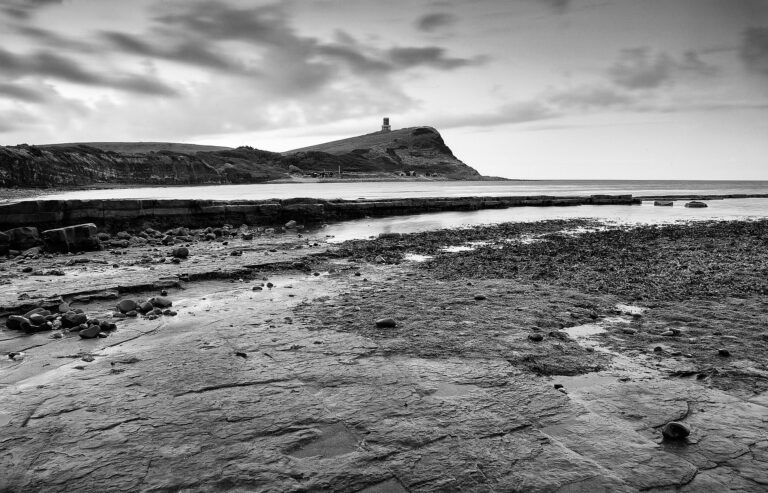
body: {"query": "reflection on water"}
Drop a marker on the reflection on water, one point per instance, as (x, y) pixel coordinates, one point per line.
(380, 190)
(646, 213)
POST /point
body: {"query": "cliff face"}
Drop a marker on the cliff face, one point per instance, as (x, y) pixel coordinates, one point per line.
(381, 154)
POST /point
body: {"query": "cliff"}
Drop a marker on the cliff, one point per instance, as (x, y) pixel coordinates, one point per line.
(375, 155)
(419, 149)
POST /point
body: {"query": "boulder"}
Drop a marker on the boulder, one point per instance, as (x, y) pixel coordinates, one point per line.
(78, 238)
(695, 204)
(23, 238)
(663, 203)
(145, 307)
(675, 430)
(291, 224)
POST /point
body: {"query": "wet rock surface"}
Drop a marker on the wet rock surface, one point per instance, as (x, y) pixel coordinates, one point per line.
(294, 387)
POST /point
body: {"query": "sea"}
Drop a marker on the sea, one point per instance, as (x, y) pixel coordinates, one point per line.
(645, 213)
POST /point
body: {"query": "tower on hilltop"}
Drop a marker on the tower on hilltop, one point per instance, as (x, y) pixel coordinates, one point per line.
(385, 126)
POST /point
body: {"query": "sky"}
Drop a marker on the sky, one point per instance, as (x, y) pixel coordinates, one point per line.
(528, 89)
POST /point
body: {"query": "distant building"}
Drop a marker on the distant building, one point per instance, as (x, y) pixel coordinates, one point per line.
(385, 126)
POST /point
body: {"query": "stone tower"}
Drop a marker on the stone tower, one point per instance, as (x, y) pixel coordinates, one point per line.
(385, 126)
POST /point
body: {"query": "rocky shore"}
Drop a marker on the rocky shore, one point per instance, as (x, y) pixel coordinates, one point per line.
(551, 356)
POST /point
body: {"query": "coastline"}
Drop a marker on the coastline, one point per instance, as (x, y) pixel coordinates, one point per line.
(297, 375)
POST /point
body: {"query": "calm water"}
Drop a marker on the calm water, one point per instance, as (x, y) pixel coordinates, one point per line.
(379, 190)
(645, 213)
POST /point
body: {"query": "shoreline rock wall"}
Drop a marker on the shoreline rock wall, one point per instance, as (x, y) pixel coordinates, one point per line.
(115, 215)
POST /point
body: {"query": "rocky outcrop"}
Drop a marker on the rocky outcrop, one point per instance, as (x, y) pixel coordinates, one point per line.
(116, 215)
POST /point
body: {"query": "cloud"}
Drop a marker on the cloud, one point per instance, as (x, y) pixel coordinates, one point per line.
(429, 56)
(560, 6)
(24, 9)
(754, 49)
(272, 53)
(47, 64)
(639, 68)
(432, 22)
(518, 112)
(22, 93)
(591, 97)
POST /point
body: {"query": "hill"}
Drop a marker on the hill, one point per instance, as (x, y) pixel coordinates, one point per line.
(141, 147)
(416, 151)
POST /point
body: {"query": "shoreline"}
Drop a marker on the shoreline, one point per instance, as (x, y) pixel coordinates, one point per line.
(534, 354)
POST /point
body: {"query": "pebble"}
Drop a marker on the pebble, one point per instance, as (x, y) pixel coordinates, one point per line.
(536, 337)
(723, 352)
(629, 330)
(667, 333)
(480, 297)
(383, 323)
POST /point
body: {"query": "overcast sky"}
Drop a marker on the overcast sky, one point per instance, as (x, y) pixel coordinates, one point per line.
(613, 89)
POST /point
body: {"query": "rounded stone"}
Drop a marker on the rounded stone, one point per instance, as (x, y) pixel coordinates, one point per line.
(386, 323)
(480, 297)
(145, 307)
(126, 306)
(536, 337)
(723, 352)
(180, 252)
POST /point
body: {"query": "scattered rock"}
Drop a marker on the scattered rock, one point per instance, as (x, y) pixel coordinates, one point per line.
(291, 224)
(161, 302)
(663, 203)
(723, 352)
(696, 204)
(17, 322)
(145, 307)
(180, 252)
(629, 330)
(386, 323)
(675, 430)
(73, 319)
(126, 306)
(536, 337)
(90, 332)
(480, 297)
